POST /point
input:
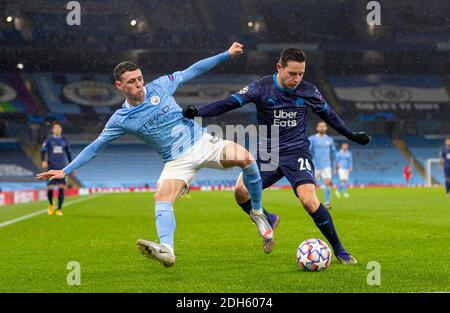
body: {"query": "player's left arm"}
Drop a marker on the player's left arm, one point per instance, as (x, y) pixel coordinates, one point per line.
(170, 83)
(207, 64)
(326, 113)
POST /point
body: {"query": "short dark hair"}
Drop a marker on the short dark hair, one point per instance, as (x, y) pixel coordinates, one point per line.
(292, 54)
(123, 67)
(54, 123)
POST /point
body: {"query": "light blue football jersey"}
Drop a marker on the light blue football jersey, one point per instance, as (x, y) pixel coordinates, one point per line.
(344, 159)
(323, 151)
(158, 120)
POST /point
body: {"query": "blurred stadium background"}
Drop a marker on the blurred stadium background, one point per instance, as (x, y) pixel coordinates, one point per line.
(391, 80)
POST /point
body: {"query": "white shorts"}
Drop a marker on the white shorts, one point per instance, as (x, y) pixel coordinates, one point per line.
(324, 173)
(343, 174)
(205, 153)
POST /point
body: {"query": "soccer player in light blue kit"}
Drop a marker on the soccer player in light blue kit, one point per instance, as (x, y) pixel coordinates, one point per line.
(151, 113)
(344, 166)
(324, 158)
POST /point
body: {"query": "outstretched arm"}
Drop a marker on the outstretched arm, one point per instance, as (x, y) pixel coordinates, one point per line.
(109, 134)
(212, 109)
(332, 118)
(207, 64)
(236, 100)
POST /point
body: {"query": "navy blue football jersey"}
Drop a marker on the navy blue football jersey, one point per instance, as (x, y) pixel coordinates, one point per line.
(58, 151)
(284, 108)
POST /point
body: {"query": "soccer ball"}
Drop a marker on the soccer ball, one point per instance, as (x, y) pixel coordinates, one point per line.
(313, 255)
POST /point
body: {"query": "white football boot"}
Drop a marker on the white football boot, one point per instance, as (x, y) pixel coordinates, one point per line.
(156, 251)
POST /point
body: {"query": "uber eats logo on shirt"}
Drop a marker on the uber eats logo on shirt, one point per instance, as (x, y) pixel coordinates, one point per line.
(284, 119)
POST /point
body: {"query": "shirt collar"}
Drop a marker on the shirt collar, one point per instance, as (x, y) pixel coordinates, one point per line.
(129, 106)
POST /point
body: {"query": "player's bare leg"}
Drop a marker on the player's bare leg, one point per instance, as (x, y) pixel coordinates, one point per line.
(236, 155)
(169, 190)
(322, 218)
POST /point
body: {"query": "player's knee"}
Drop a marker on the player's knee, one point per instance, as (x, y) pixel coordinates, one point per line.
(309, 202)
(160, 196)
(241, 193)
(246, 159)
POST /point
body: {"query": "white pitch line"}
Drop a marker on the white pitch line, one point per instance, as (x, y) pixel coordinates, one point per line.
(41, 212)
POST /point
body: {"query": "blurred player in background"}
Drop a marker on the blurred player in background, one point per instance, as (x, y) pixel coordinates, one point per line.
(151, 113)
(58, 153)
(407, 174)
(282, 100)
(445, 162)
(323, 151)
(344, 166)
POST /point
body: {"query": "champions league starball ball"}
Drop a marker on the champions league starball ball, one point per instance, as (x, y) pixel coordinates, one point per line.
(313, 255)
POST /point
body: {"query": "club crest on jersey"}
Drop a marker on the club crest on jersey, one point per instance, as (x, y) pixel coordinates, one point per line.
(243, 90)
(155, 100)
(299, 102)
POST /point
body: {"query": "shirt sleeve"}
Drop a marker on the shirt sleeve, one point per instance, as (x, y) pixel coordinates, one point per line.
(111, 132)
(44, 149)
(204, 66)
(170, 83)
(235, 101)
(247, 94)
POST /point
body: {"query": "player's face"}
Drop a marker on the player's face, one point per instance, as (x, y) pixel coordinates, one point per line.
(447, 142)
(132, 85)
(321, 128)
(344, 146)
(292, 74)
(56, 130)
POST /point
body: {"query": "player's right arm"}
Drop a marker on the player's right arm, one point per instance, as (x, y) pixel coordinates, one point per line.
(111, 132)
(44, 149)
(235, 101)
(441, 160)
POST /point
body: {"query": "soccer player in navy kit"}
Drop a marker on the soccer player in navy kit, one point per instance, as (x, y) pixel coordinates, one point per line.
(59, 155)
(445, 162)
(282, 100)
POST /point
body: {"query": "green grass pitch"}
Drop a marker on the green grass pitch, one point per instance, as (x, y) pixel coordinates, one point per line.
(218, 250)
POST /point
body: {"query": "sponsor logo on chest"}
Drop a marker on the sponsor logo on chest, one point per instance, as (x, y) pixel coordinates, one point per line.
(284, 118)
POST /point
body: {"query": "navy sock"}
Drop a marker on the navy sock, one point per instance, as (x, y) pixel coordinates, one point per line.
(60, 198)
(247, 206)
(50, 196)
(447, 186)
(324, 222)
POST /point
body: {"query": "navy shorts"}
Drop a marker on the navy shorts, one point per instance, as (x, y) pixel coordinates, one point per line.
(296, 166)
(56, 182)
